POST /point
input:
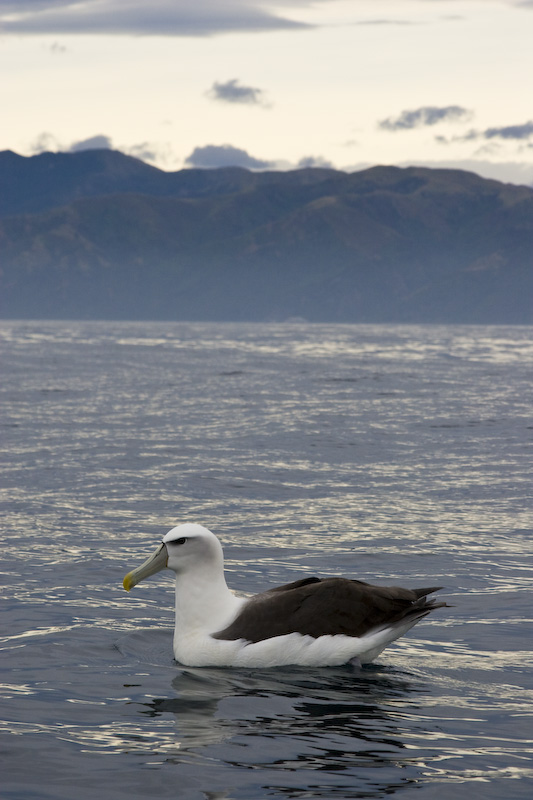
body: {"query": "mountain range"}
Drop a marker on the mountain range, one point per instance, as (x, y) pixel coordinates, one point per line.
(101, 235)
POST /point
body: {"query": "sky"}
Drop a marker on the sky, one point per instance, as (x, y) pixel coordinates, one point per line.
(273, 84)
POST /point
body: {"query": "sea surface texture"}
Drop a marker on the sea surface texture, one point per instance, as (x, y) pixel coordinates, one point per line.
(392, 454)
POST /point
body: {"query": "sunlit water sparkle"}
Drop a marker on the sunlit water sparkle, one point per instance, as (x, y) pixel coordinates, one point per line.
(394, 454)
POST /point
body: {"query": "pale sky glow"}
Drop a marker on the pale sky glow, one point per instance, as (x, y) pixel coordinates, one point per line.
(342, 82)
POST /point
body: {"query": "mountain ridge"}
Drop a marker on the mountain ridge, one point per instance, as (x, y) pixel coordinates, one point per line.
(113, 237)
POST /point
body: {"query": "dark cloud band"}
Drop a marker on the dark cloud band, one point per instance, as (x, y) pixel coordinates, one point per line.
(137, 17)
(516, 133)
(524, 131)
(425, 116)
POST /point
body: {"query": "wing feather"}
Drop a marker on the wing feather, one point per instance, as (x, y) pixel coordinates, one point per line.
(328, 606)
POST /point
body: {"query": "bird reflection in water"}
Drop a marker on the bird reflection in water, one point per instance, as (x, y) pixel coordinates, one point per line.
(322, 719)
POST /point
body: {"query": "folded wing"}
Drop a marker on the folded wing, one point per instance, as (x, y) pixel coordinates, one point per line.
(329, 606)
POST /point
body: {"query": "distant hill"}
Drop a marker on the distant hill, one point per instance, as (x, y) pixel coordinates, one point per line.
(101, 235)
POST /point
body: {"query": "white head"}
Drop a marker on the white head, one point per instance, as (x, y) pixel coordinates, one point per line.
(184, 549)
(189, 546)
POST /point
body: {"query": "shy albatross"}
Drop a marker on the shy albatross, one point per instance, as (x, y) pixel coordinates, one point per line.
(314, 622)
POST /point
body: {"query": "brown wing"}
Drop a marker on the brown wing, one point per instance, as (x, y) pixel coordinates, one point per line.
(319, 607)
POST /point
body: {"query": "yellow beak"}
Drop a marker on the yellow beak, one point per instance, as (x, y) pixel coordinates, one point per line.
(155, 563)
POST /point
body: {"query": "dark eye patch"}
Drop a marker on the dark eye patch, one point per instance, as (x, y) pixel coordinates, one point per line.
(179, 541)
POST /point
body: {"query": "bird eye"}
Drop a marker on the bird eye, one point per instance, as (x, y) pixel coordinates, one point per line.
(179, 541)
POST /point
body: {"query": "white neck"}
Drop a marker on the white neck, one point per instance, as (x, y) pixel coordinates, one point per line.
(204, 602)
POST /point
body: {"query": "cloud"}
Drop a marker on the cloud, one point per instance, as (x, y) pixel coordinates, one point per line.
(524, 131)
(152, 152)
(385, 22)
(164, 17)
(233, 92)
(44, 143)
(48, 143)
(99, 142)
(224, 155)
(138, 17)
(314, 161)
(425, 116)
(147, 151)
(520, 133)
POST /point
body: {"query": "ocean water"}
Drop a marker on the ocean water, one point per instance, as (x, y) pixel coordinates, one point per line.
(394, 454)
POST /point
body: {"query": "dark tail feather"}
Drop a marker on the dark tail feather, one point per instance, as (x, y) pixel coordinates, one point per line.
(415, 610)
(424, 592)
(429, 605)
(421, 607)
